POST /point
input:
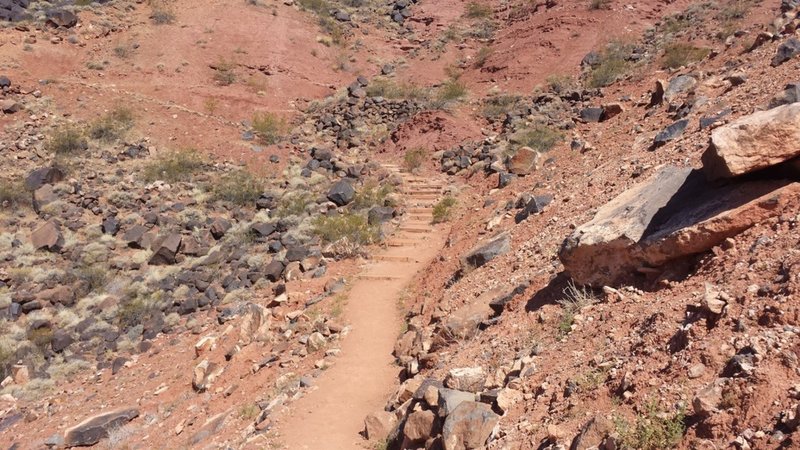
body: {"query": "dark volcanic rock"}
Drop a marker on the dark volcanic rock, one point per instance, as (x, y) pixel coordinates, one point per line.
(92, 430)
(485, 252)
(786, 51)
(341, 193)
(164, 252)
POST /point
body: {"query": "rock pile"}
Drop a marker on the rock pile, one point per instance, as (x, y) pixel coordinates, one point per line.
(458, 414)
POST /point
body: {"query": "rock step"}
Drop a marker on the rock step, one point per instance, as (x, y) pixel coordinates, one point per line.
(414, 230)
(403, 243)
(426, 219)
(424, 197)
(422, 192)
(391, 258)
(378, 277)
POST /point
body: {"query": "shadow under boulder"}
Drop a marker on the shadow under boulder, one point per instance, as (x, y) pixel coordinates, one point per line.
(676, 214)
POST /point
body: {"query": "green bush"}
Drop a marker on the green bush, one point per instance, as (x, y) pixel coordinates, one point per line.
(239, 187)
(388, 89)
(135, 312)
(414, 158)
(371, 194)
(482, 56)
(173, 166)
(269, 127)
(599, 4)
(452, 90)
(559, 83)
(112, 126)
(351, 228)
(161, 12)
(41, 337)
(66, 141)
(613, 65)
(224, 73)
(476, 10)
(96, 276)
(293, 204)
(443, 210)
(540, 137)
(679, 55)
(653, 430)
(497, 107)
(13, 193)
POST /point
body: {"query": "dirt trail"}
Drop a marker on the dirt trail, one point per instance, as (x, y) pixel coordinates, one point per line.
(364, 375)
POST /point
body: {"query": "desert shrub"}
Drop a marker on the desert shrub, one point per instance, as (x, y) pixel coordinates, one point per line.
(317, 6)
(41, 337)
(540, 137)
(559, 83)
(613, 64)
(482, 56)
(371, 194)
(269, 127)
(483, 29)
(249, 411)
(443, 210)
(95, 276)
(7, 359)
(497, 107)
(575, 298)
(652, 430)
(224, 73)
(174, 166)
(389, 89)
(476, 10)
(239, 187)
(13, 193)
(333, 28)
(293, 204)
(348, 231)
(599, 4)
(66, 141)
(414, 158)
(136, 311)
(161, 13)
(679, 55)
(112, 126)
(123, 51)
(451, 90)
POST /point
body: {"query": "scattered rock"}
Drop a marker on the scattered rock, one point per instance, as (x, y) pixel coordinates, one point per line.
(786, 51)
(419, 426)
(524, 161)
(670, 133)
(92, 430)
(485, 252)
(469, 426)
(48, 236)
(470, 379)
(341, 193)
(61, 18)
(753, 142)
(378, 425)
(164, 252)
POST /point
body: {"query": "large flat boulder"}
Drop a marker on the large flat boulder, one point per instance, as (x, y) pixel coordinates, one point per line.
(754, 142)
(675, 214)
(93, 429)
